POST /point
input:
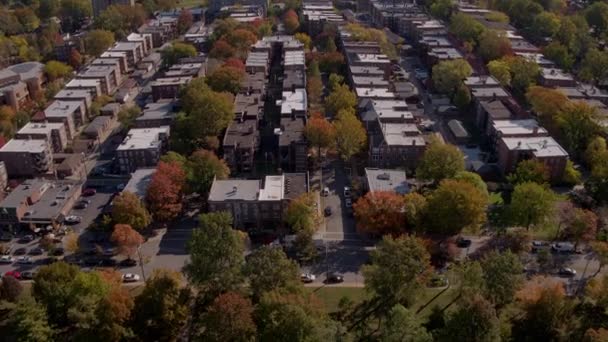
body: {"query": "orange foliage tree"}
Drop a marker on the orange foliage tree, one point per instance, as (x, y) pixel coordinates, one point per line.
(226, 78)
(116, 305)
(235, 63)
(164, 196)
(222, 50)
(127, 239)
(380, 213)
(230, 318)
(291, 22)
(319, 132)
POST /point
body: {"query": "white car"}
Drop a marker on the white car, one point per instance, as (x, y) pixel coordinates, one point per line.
(6, 259)
(307, 277)
(130, 278)
(25, 260)
(562, 247)
(567, 272)
(346, 192)
(73, 219)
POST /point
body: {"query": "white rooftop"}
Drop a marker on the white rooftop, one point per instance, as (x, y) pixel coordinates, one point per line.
(401, 134)
(83, 83)
(59, 108)
(386, 180)
(40, 128)
(143, 138)
(273, 188)
(540, 146)
(25, 145)
(518, 127)
(372, 58)
(294, 58)
(481, 81)
(374, 93)
(555, 74)
(295, 100)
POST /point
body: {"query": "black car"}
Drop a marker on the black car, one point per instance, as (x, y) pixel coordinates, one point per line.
(327, 211)
(463, 243)
(90, 262)
(20, 251)
(36, 251)
(48, 261)
(334, 278)
(81, 205)
(58, 251)
(6, 237)
(128, 263)
(108, 263)
(26, 239)
(91, 251)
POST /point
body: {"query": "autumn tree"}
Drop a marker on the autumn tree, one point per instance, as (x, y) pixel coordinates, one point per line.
(56, 69)
(269, 269)
(202, 167)
(531, 204)
(291, 22)
(229, 317)
(455, 205)
(320, 133)
(222, 50)
(474, 320)
(75, 59)
(304, 39)
(127, 239)
(399, 269)
(184, 21)
(177, 50)
(129, 209)
(10, 289)
(350, 135)
(440, 161)
(226, 78)
(340, 98)
(216, 254)
(234, 63)
(113, 311)
(600, 251)
(581, 226)
(162, 308)
(380, 213)
(547, 103)
(493, 45)
(98, 41)
(165, 192)
(241, 40)
(448, 75)
(529, 171)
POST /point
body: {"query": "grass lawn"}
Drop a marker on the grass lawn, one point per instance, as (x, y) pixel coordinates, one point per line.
(192, 3)
(331, 296)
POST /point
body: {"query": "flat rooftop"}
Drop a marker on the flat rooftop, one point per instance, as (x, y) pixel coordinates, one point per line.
(494, 92)
(386, 180)
(234, 190)
(40, 128)
(365, 70)
(374, 93)
(139, 182)
(171, 81)
(54, 196)
(241, 134)
(555, 74)
(25, 145)
(496, 109)
(77, 94)
(401, 134)
(519, 127)
(481, 81)
(61, 108)
(273, 188)
(540, 146)
(143, 138)
(293, 100)
(294, 58)
(83, 83)
(370, 81)
(292, 130)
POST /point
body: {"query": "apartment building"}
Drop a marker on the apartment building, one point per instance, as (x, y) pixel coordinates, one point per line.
(109, 77)
(77, 95)
(168, 88)
(543, 149)
(239, 145)
(72, 114)
(386, 180)
(20, 83)
(142, 148)
(157, 114)
(27, 158)
(53, 133)
(93, 86)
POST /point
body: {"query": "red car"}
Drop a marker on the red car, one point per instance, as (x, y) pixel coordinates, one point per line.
(89, 192)
(14, 274)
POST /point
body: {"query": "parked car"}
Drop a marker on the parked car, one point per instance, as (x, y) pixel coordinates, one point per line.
(14, 274)
(108, 263)
(327, 211)
(89, 192)
(48, 261)
(6, 259)
(73, 219)
(81, 205)
(346, 191)
(25, 260)
(128, 263)
(562, 247)
(58, 251)
(6, 237)
(537, 245)
(567, 272)
(26, 239)
(463, 243)
(348, 203)
(130, 278)
(36, 251)
(307, 277)
(20, 251)
(334, 278)
(325, 191)
(28, 275)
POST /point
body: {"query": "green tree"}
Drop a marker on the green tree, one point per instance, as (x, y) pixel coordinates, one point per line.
(524, 72)
(202, 166)
(474, 320)
(226, 78)
(74, 12)
(466, 28)
(531, 204)
(177, 50)
(545, 24)
(415, 209)
(304, 39)
(334, 81)
(98, 41)
(399, 269)
(597, 17)
(594, 66)
(127, 116)
(502, 274)
(351, 136)
(559, 54)
(455, 205)
(448, 75)
(578, 125)
(529, 171)
(402, 325)
(441, 9)
(493, 45)
(500, 70)
(28, 322)
(300, 214)
(269, 269)
(462, 96)
(216, 254)
(440, 161)
(474, 179)
(129, 209)
(27, 18)
(340, 98)
(162, 308)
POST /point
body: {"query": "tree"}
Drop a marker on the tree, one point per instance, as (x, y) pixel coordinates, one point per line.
(99, 102)
(441, 9)
(466, 28)
(161, 309)
(112, 312)
(462, 97)
(128, 209)
(75, 59)
(474, 179)
(350, 135)
(98, 41)
(203, 166)
(334, 81)
(500, 70)
(531, 204)
(314, 88)
(291, 22)
(582, 226)
(320, 133)
(415, 209)
(165, 192)
(184, 21)
(300, 214)
(241, 40)
(529, 171)
(121, 19)
(216, 254)
(71, 243)
(48, 9)
(455, 205)
(229, 318)
(559, 53)
(222, 50)
(127, 239)
(269, 269)
(399, 269)
(10, 289)
(593, 335)
(340, 98)
(493, 45)
(127, 116)
(69, 295)
(234, 63)
(402, 325)
(379, 213)
(440, 161)
(448, 75)
(226, 78)
(524, 72)
(600, 250)
(74, 12)
(28, 322)
(304, 39)
(545, 25)
(577, 125)
(56, 69)
(474, 320)
(597, 17)
(546, 103)
(177, 50)
(502, 274)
